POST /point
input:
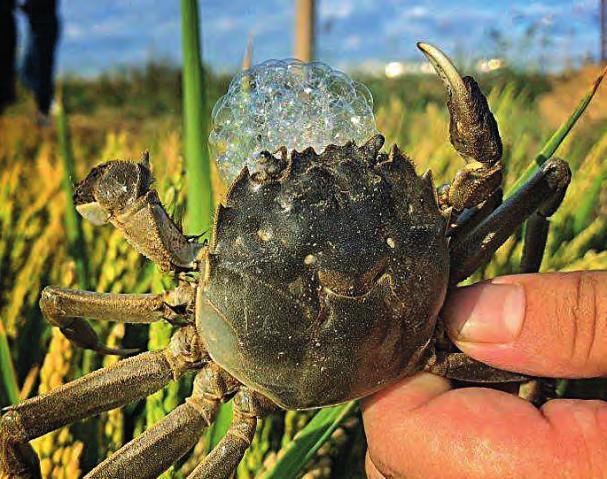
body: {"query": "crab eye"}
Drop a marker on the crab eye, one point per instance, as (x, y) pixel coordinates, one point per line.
(287, 104)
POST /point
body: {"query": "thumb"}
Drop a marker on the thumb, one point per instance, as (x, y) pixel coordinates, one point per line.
(552, 324)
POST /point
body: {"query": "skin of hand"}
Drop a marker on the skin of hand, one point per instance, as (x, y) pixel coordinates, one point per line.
(552, 325)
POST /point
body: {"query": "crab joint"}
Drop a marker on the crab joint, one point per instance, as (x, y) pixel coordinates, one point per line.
(185, 351)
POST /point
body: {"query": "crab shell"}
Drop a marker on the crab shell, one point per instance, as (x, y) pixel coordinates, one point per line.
(325, 275)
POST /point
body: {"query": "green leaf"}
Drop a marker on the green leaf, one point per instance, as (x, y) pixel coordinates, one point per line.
(588, 204)
(558, 137)
(220, 426)
(198, 165)
(294, 457)
(8, 376)
(73, 222)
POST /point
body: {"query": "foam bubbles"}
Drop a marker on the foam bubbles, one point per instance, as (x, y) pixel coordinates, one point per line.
(287, 103)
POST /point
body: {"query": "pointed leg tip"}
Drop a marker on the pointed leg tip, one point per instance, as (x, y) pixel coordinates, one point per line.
(431, 51)
(423, 46)
(107, 351)
(444, 67)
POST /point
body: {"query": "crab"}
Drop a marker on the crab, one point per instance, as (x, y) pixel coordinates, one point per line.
(322, 283)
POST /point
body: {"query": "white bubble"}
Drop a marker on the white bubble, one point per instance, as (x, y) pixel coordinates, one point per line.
(287, 103)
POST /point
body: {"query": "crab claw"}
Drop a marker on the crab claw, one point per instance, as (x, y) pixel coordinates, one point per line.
(473, 129)
(111, 188)
(94, 213)
(445, 70)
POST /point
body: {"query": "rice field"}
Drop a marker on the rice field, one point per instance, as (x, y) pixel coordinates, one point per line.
(34, 249)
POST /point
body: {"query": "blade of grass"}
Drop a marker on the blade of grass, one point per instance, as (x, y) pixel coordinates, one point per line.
(559, 136)
(198, 167)
(73, 225)
(294, 457)
(7, 369)
(220, 426)
(586, 208)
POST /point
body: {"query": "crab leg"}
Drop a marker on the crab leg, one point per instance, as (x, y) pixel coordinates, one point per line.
(226, 456)
(221, 462)
(149, 454)
(471, 217)
(458, 366)
(474, 135)
(543, 192)
(66, 308)
(536, 234)
(102, 390)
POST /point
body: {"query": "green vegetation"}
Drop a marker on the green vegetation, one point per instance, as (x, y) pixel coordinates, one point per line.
(198, 167)
(121, 114)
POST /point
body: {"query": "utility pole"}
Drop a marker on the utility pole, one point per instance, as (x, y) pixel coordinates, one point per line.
(305, 18)
(603, 31)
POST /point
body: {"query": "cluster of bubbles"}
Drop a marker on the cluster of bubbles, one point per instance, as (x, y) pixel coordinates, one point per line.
(287, 103)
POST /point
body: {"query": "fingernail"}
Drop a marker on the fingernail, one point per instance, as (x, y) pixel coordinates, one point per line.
(486, 313)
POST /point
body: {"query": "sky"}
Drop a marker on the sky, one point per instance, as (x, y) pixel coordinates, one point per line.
(108, 34)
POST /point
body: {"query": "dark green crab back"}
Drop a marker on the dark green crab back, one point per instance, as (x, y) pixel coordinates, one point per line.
(325, 274)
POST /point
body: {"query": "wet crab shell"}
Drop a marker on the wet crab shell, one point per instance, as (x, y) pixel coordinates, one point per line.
(325, 274)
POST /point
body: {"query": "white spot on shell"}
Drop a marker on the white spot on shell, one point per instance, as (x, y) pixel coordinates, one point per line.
(309, 259)
(391, 243)
(265, 234)
(285, 203)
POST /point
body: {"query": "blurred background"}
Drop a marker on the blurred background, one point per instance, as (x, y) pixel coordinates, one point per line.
(87, 82)
(362, 35)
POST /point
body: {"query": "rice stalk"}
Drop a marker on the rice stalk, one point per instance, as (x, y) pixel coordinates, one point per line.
(112, 421)
(200, 197)
(59, 453)
(8, 376)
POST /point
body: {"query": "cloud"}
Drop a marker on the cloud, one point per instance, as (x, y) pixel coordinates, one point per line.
(338, 9)
(418, 11)
(73, 32)
(224, 24)
(113, 32)
(109, 27)
(352, 42)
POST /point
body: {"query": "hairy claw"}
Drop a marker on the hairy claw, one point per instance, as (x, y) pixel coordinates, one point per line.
(473, 129)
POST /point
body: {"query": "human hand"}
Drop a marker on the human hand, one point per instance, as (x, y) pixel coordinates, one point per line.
(539, 324)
